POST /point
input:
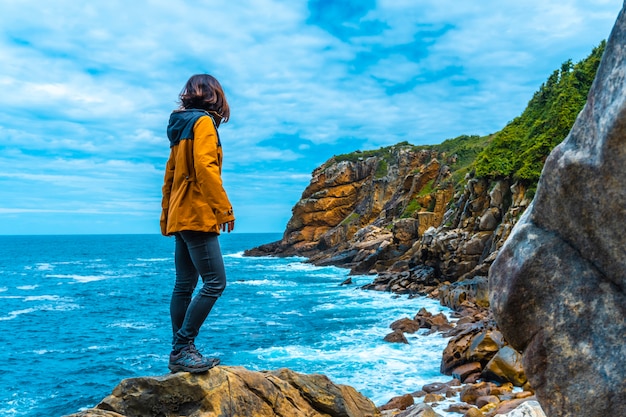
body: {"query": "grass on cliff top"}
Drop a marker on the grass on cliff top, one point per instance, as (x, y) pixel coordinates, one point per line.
(459, 153)
(384, 152)
(465, 147)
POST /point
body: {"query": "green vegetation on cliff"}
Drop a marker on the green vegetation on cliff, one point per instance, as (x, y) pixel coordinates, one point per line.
(519, 150)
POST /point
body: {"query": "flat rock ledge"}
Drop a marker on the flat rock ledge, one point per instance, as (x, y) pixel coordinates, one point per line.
(233, 391)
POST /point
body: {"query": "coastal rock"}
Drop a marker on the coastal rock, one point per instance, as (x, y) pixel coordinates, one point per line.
(525, 409)
(405, 325)
(448, 389)
(468, 372)
(506, 366)
(419, 410)
(475, 290)
(487, 399)
(396, 337)
(485, 346)
(355, 214)
(473, 412)
(97, 413)
(401, 402)
(557, 285)
(346, 195)
(455, 353)
(233, 391)
(405, 230)
(418, 280)
(394, 213)
(433, 398)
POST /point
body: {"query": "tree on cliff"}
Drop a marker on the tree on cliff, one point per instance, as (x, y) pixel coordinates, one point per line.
(519, 150)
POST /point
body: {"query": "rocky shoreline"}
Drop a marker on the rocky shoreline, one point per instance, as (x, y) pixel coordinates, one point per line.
(487, 377)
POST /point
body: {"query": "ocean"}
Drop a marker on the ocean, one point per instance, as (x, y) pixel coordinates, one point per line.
(80, 313)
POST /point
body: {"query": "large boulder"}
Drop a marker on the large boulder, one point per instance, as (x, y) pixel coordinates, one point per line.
(557, 286)
(233, 391)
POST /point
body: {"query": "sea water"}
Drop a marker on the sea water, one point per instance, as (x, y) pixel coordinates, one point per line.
(80, 313)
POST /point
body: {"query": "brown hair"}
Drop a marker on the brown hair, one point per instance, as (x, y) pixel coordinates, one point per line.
(204, 92)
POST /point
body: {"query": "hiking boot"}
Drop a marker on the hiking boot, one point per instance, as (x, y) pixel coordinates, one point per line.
(188, 359)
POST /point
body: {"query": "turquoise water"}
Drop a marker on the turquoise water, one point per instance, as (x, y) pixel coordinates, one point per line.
(80, 313)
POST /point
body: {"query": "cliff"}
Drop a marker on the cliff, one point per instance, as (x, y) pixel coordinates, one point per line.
(399, 212)
(419, 216)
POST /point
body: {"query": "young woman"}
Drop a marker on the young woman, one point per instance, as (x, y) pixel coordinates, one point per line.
(195, 208)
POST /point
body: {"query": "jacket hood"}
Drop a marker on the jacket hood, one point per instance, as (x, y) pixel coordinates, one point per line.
(181, 124)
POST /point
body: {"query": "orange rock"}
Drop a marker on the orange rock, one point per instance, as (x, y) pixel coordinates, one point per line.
(471, 393)
(433, 398)
(401, 402)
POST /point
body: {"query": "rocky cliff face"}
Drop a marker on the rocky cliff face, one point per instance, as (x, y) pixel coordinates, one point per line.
(233, 391)
(351, 202)
(396, 213)
(558, 285)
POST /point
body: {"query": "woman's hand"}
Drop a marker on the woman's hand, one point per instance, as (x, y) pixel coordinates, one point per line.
(228, 226)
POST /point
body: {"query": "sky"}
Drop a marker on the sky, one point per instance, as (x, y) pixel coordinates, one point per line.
(87, 89)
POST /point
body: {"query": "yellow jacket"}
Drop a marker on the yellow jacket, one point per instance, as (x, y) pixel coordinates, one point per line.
(193, 195)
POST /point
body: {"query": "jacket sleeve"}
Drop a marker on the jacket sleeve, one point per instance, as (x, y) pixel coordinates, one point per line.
(208, 167)
(167, 191)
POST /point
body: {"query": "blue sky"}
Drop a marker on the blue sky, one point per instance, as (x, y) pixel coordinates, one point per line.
(87, 88)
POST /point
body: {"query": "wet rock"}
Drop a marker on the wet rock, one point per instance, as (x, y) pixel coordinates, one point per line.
(405, 325)
(487, 399)
(459, 408)
(97, 413)
(396, 337)
(457, 352)
(503, 389)
(438, 322)
(435, 387)
(447, 389)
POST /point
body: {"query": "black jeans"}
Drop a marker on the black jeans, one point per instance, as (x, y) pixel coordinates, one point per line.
(196, 254)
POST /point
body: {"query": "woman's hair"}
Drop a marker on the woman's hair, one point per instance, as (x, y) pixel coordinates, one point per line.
(204, 92)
